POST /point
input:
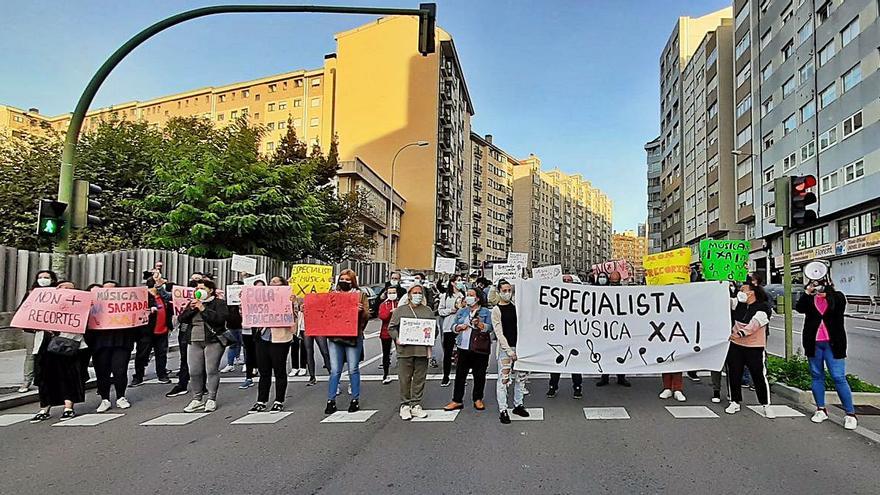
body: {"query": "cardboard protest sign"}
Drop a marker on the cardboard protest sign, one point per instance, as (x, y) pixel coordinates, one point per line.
(417, 331)
(519, 259)
(552, 272)
(233, 295)
(311, 279)
(724, 260)
(180, 298)
(609, 267)
(334, 314)
(668, 267)
(54, 310)
(266, 306)
(119, 307)
(630, 329)
(506, 271)
(244, 264)
(444, 265)
(252, 280)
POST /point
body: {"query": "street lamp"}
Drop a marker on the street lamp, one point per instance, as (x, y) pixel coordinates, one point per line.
(420, 144)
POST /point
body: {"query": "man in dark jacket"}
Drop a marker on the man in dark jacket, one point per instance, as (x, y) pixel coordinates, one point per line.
(154, 336)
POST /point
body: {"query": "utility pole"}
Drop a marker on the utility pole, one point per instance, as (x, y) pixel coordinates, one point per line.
(427, 14)
(782, 198)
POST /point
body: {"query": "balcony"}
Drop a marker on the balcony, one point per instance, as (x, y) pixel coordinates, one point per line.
(478, 184)
(477, 200)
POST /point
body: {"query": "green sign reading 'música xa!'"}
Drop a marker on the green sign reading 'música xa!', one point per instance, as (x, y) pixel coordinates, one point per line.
(724, 260)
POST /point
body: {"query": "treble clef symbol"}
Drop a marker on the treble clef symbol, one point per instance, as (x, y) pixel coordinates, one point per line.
(595, 357)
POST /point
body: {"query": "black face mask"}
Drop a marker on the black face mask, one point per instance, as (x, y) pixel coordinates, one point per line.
(343, 286)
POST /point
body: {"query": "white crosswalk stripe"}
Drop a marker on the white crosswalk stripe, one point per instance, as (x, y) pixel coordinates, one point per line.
(781, 411)
(600, 413)
(11, 419)
(265, 418)
(691, 412)
(347, 417)
(437, 416)
(89, 420)
(174, 419)
(535, 414)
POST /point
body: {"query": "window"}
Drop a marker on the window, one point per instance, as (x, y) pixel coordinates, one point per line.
(273, 88)
(270, 126)
(744, 136)
(787, 13)
(298, 83)
(743, 75)
(829, 183)
(767, 71)
(766, 38)
(282, 125)
(827, 96)
(850, 32)
(824, 11)
(316, 102)
(297, 103)
(812, 238)
(827, 139)
(282, 105)
(769, 175)
(313, 122)
(789, 162)
(743, 44)
(257, 97)
(769, 210)
(862, 224)
(743, 106)
(854, 171)
(826, 53)
(852, 124)
(316, 81)
(284, 85)
(788, 87)
(852, 77)
(271, 107)
(245, 93)
(806, 72)
(257, 115)
(805, 31)
(808, 151)
(297, 122)
(743, 168)
(712, 58)
(787, 50)
(807, 111)
(222, 98)
(713, 110)
(767, 142)
(270, 146)
(744, 198)
(789, 124)
(233, 114)
(767, 106)
(742, 15)
(220, 116)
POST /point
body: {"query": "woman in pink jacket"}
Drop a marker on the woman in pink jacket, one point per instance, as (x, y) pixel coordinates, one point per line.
(385, 309)
(748, 340)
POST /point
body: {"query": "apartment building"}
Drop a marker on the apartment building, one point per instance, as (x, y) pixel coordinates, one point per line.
(629, 246)
(17, 122)
(491, 204)
(813, 66)
(686, 38)
(655, 197)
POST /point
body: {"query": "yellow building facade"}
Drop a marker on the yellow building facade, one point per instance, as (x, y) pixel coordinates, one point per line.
(632, 248)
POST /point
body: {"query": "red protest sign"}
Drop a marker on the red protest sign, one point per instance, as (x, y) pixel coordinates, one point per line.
(266, 306)
(334, 314)
(55, 310)
(119, 307)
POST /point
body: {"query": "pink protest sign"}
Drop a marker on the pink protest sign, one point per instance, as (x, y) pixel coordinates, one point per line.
(609, 267)
(332, 315)
(55, 310)
(266, 306)
(119, 307)
(180, 298)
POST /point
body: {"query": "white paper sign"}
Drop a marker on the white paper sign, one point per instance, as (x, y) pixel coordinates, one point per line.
(444, 265)
(506, 271)
(417, 331)
(233, 295)
(244, 264)
(407, 281)
(551, 273)
(521, 259)
(568, 328)
(252, 280)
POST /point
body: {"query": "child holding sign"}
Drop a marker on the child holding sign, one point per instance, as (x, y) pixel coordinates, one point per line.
(412, 360)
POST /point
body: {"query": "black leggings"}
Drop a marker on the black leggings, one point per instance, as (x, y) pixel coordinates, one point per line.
(111, 361)
(250, 355)
(739, 357)
(272, 359)
(386, 356)
(298, 357)
(448, 350)
(470, 361)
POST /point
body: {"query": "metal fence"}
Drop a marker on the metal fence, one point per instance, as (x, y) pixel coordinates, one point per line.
(19, 268)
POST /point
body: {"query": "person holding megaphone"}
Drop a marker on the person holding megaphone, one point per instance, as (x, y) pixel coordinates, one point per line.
(206, 314)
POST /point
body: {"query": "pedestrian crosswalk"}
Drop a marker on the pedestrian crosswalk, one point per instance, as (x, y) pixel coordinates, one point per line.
(434, 416)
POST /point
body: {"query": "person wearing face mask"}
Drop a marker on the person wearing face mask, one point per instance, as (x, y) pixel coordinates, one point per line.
(412, 360)
(272, 346)
(613, 279)
(44, 278)
(348, 349)
(206, 315)
(473, 324)
(748, 339)
(504, 324)
(154, 336)
(451, 301)
(824, 339)
(385, 310)
(111, 350)
(393, 281)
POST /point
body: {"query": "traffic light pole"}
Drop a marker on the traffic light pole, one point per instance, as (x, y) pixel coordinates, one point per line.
(426, 14)
(786, 294)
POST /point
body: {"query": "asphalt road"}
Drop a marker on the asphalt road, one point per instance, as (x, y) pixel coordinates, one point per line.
(652, 452)
(863, 344)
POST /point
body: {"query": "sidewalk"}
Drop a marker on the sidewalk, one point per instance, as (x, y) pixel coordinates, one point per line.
(864, 316)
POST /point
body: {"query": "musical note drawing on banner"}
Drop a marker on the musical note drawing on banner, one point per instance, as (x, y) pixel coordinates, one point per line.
(670, 357)
(560, 358)
(642, 352)
(595, 357)
(622, 359)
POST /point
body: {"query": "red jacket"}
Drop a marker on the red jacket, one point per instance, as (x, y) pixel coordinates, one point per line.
(385, 310)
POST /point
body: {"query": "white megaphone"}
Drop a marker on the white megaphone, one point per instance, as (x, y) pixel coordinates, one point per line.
(816, 270)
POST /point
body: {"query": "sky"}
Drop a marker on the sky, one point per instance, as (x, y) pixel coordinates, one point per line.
(574, 82)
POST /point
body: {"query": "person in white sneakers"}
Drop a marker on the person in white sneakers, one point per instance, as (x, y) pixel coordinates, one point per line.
(387, 307)
(748, 340)
(505, 324)
(207, 315)
(412, 360)
(824, 339)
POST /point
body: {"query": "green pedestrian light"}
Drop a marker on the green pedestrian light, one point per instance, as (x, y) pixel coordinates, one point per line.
(50, 217)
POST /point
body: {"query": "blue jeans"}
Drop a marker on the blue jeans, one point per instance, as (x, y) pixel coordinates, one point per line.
(837, 369)
(234, 350)
(339, 354)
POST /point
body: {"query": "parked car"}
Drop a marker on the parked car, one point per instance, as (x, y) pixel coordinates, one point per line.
(373, 300)
(775, 291)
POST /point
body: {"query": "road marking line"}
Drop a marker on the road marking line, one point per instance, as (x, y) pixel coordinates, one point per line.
(89, 420)
(264, 418)
(174, 419)
(690, 412)
(347, 417)
(437, 416)
(11, 419)
(781, 411)
(591, 413)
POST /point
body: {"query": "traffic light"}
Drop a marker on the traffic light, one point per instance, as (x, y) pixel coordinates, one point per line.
(426, 28)
(801, 198)
(50, 217)
(84, 205)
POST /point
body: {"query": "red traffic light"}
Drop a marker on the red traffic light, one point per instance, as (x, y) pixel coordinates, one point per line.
(801, 184)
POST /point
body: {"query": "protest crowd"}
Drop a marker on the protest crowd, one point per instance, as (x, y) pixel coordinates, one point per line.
(457, 325)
